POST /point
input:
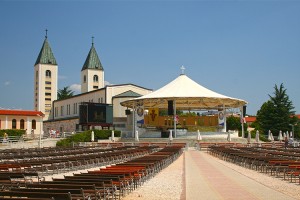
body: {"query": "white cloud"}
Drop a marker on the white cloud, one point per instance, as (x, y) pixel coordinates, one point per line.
(76, 88)
(7, 83)
(62, 77)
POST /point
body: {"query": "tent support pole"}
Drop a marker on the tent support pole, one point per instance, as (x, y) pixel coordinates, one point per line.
(174, 105)
(242, 121)
(133, 121)
(225, 126)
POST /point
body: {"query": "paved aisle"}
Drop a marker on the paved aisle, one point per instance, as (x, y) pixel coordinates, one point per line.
(208, 179)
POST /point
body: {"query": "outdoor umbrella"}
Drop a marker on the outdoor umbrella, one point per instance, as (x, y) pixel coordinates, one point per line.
(170, 136)
(257, 136)
(269, 135)
(249, 137)
(229, 137)
(113, 135)
(137, 136)
(199, 135)
(92, 136)
(272, 138)
(291, 134)
(280, 135)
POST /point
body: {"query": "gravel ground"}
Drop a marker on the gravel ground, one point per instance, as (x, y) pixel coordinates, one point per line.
(166, 185)
(169, 183)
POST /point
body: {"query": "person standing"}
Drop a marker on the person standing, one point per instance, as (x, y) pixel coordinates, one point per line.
(5, 136)
(286, 142)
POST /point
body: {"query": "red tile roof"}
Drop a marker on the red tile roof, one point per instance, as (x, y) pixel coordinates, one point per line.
(21, 112)
(250, 119)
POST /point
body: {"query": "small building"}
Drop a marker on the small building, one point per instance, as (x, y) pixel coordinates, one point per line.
(31, 121)
(249, 120)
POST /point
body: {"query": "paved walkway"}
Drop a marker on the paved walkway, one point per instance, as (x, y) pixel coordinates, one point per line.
(210, 180)
(49, 142)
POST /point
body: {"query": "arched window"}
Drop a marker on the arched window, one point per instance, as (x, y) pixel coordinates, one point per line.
(48, 74)
(22, 124)
(33, 124)
(84, 78)
(95, 78)
(14, 124)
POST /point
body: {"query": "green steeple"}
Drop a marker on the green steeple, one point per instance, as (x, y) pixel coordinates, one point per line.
(46, 56)
(92, 61)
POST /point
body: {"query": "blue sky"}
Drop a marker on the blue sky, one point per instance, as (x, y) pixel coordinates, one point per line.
(237, 48)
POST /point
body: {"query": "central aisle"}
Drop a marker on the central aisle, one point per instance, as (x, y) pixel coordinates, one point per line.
(210, 180)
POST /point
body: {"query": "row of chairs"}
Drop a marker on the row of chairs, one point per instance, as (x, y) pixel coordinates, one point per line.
(17, 154)
(70, 162)
(111, 182)
(280, 162)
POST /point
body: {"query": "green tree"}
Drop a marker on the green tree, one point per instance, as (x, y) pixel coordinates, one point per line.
(64, 93)
(277, 113)
(234, 123)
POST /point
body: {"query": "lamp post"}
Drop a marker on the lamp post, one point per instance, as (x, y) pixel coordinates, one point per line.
(41, 130)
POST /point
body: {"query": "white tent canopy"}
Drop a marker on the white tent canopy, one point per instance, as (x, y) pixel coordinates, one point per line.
(188, 95)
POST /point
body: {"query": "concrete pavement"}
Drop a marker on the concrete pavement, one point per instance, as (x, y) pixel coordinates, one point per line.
(207, 179)
(49, 142)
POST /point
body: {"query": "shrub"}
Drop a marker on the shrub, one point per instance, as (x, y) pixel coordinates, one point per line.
(263, 138)
(86, 137)
(12, 132)
(64, 143)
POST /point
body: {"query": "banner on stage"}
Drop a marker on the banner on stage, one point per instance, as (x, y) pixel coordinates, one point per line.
(140, 115)
(221, 118)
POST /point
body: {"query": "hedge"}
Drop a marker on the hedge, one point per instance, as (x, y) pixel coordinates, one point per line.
(86, 137)
(12, 132)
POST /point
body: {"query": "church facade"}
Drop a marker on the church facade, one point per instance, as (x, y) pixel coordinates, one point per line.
(65, 115)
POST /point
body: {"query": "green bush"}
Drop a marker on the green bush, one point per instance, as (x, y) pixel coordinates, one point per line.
(86, 137)
(12, 132)
(263, 138)
(64, 143)
(253, 134)
(166, 134)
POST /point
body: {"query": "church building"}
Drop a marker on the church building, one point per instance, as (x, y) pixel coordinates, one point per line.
(98, 105)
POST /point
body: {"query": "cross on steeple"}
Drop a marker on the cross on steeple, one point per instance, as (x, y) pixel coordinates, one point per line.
(92, 40)
(182, 69)
(46, 33)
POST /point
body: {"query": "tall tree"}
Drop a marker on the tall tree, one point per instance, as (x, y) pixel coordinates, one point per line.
(277, 113)
(64, 93)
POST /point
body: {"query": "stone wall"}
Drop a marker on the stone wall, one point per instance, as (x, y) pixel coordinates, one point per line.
(61, 125)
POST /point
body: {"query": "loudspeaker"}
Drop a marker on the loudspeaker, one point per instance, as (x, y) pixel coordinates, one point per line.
(244, 111)
(170, 108)
(127, 112)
